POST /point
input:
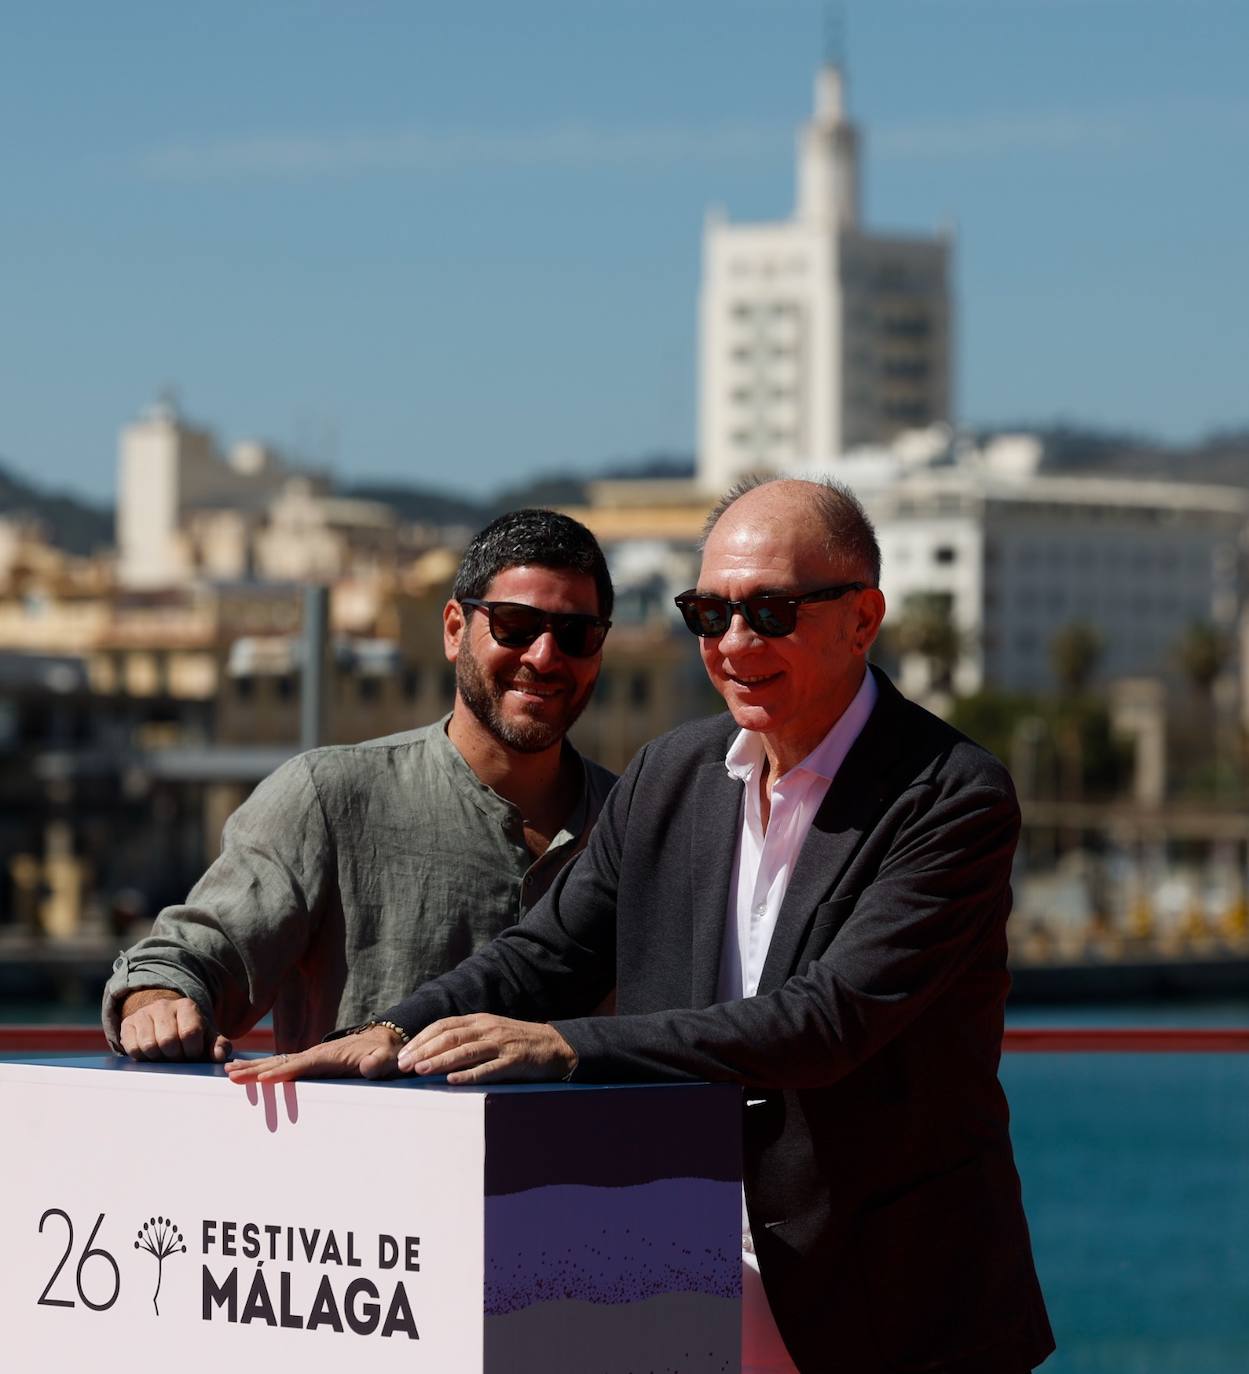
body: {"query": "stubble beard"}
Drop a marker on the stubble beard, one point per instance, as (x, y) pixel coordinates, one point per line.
(483, 695)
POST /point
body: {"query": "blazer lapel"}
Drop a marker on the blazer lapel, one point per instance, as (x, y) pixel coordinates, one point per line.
(713, 841)
(849, 811)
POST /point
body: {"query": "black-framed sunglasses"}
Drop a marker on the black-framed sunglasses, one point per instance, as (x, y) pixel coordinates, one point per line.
(771, 614)
(515, 626)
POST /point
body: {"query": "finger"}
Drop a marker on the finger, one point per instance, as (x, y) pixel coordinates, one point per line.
(165, 1029)
(321, 1061)
(147, 1043)
(423, 1058)
(436, 1029)
(458, 1057)
(129, 1039)
(283, 1069)
(492, 1072)
(379, 1063)
(189, 1023)
(441, 1036)
(222, 1049)
(244, 1070)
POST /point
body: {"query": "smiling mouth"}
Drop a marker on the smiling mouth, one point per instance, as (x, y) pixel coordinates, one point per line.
(543, 690)
(748, 682)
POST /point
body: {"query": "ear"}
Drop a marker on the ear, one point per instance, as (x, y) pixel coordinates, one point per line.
(870, 611)
(454, 627)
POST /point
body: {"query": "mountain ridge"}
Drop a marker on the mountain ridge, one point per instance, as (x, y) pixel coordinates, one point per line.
(79, 526)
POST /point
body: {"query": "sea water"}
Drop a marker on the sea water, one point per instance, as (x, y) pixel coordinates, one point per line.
(1135, 1172)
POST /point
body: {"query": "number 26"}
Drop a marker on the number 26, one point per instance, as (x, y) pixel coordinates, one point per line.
(88, 1253)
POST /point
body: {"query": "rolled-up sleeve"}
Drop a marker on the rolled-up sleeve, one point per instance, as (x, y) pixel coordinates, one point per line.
(248, 920)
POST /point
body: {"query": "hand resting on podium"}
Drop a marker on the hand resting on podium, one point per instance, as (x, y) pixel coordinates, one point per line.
(480, 1048)
(160, 1024)
(483, 1048)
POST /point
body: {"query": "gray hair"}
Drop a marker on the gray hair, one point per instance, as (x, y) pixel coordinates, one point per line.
(848, 532)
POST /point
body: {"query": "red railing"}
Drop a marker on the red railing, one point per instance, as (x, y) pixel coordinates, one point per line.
(1026, 1040)
(1127, 1039)
(90, 1040)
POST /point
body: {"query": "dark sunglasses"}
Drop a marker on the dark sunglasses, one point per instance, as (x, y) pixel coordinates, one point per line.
(516, 626)
(771, 614)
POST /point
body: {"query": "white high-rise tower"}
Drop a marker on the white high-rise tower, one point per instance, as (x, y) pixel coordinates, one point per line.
(817, 336)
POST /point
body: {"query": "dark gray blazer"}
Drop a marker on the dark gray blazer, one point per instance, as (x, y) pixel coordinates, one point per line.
(882, 1191)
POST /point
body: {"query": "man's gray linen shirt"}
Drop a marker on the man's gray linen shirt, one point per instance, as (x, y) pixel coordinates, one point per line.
(352, 875)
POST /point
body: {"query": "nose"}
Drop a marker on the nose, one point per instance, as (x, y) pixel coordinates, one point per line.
(739, 635)
(543, 653)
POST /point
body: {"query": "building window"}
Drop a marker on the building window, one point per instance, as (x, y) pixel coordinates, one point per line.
(907, 370)
(907, 326)
(245, 688)
(945, 553)
(411, 683)
(639, 689)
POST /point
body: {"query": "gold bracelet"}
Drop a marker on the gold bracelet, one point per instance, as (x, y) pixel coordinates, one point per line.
(404, 1037)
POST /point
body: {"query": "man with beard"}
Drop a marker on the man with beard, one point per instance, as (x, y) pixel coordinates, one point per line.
(356, 872)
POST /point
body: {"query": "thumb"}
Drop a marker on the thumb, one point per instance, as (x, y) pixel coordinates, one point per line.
(222, 1050)
(379, 1063)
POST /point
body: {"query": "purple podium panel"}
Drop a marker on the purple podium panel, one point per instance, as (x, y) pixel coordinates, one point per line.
(613, 1228)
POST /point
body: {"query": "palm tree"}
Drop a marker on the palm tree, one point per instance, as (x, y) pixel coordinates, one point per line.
(1202, 652)
(926, 627)
(1075, 651)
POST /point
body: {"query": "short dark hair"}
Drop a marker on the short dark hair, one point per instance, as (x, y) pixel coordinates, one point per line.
(538, 538)
(848, 531)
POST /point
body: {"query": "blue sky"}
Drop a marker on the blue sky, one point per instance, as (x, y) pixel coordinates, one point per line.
(459, 243)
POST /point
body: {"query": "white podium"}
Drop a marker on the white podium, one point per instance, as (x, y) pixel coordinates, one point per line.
(161, 1215)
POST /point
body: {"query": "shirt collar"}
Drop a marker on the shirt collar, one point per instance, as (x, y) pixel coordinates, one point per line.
(457, 768)
(745, 753)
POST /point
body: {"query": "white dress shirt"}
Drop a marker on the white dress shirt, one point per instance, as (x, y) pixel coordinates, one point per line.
(764, 861)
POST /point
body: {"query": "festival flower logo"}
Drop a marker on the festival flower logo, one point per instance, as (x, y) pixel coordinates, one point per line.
(160, 1238)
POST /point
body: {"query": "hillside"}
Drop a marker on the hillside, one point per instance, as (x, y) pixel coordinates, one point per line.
(81, 527)
(70, 523)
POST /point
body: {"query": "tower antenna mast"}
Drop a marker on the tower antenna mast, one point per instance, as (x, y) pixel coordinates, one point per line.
(834, 34)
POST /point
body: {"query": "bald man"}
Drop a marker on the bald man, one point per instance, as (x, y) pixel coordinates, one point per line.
(808, 897)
